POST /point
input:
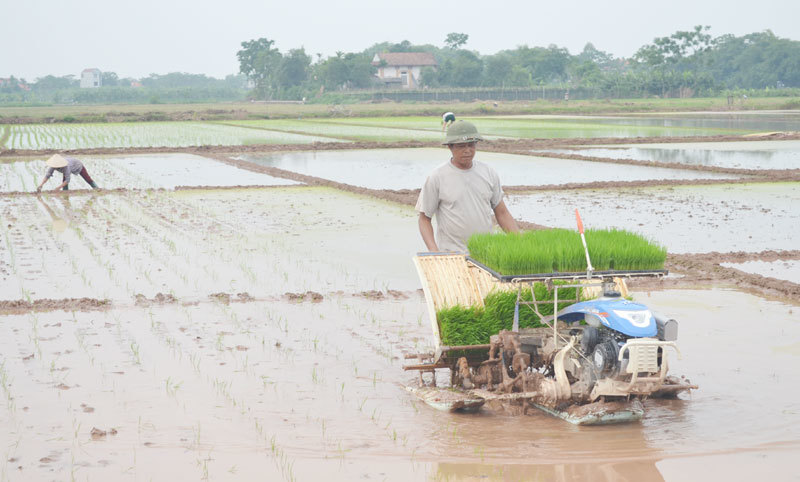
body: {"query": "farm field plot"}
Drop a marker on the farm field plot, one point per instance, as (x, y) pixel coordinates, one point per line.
(408, 168)
(741, 155)
(788, 270)
(527, 127)
(264, 242)
(757, 120)
(733, 122)
(138, 171)
(686, 219)
(144, 134)
(344, 130)
(302, 391)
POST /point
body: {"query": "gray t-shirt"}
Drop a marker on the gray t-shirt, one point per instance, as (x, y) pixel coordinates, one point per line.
(73, 166)
(463, 202)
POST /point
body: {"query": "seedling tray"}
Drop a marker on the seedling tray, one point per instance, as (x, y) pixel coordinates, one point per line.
(569, 275)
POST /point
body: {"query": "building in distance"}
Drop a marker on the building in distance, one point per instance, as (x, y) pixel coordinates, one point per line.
(91, 78)
(402, 69)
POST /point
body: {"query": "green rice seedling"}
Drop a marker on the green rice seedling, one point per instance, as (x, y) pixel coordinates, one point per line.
(561, 250)
(474, 325)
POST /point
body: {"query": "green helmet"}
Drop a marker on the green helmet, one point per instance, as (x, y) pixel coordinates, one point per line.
(461, 132)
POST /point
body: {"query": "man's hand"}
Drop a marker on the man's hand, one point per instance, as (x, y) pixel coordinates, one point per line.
(505, 219)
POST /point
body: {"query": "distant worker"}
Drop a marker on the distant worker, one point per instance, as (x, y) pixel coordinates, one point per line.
(447, 119)
(462, 194)
(67, 166)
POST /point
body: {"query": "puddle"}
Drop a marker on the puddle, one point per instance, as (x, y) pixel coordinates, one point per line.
(742, 155)
(145, 134)
(140, 171)
(686, 219)
(788, 270)
(408, 168)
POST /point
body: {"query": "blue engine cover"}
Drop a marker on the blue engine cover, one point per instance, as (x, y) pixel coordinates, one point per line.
(626, 317)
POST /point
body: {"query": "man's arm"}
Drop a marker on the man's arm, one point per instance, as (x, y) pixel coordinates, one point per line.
(505, 219)
(426, 230)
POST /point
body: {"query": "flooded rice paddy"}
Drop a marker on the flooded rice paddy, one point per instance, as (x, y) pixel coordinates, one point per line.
(303, 390)
(708, 122)
(195, 243)
(166, 171)
(144, 134)
(545, 126)
(686, 219)
(386, 129)
(408, 168)
(741, 155)
(223, 333)
(788, 270)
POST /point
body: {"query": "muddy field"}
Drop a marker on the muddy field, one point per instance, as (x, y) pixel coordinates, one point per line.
(248, 318)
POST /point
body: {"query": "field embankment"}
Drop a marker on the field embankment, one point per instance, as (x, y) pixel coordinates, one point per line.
(256, 110)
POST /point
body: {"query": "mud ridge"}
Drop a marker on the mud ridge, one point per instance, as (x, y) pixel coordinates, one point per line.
(704, 269)
(668, 165)
(47, 304)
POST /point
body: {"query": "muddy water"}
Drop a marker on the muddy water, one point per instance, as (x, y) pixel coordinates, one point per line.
(148, 171)
(788, 270)
(743, 155)
(690, 219)
(297, 391)
(408, 168)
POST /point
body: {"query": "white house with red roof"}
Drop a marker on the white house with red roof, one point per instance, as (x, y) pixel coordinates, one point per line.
(91, 78)
(402, 69)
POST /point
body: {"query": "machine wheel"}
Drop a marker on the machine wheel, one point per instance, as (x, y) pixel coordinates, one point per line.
(604, 356)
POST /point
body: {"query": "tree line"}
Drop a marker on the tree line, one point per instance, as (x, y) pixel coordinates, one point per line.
(684, 64)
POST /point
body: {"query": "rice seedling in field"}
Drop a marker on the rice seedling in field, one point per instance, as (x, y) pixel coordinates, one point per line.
(473, 325)
(561, 250)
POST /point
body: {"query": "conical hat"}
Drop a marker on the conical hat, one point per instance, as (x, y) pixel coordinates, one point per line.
(57, 161)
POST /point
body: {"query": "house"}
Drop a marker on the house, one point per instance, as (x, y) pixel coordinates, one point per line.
(91, 78)
(402, 69)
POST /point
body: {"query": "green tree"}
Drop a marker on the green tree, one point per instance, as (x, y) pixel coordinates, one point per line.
(51, 82)
(294, 68)
(465, 69)
(109, 79)
(346, 71)
(497, 70)
(456, 40)
(676, 47)
(261, 64)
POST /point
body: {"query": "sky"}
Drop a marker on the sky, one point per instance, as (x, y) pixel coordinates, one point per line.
(136, 38)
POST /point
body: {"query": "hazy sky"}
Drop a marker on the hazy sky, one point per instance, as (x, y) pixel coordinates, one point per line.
(135, 38)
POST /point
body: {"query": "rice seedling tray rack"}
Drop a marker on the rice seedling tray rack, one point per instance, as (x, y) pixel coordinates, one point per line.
(516, 278)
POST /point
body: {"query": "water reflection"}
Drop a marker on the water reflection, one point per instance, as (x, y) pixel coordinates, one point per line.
(750, 155)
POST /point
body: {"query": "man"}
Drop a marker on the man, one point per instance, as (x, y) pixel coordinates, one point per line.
(462, 194)
(66, 166)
